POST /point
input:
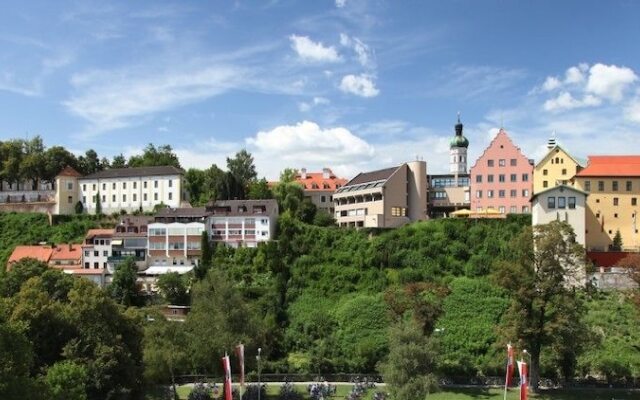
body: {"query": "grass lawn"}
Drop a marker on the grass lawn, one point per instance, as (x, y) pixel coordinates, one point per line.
(479, 394)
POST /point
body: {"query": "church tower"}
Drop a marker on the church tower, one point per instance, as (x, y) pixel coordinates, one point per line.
(458, 152)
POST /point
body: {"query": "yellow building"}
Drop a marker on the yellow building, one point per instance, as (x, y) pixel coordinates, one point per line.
(613, 184)
(556, 168)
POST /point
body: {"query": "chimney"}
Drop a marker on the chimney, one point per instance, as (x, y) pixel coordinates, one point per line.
(70, 248)
(326, 173)
(303, 173)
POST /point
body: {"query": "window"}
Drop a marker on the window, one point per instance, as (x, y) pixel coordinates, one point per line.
(551, 202)
(87, 253)
(105, 253)
(489, 178)
(478, 194)
(144, 184)
(614, 186)
(155, 184)
(634, 201)
(86, 265)
(513, 209)
(564, 171)
(135, 197)
(398, 211)
(490, 163)
(96, 253)
(70, 199)
(104, 186)
(155, 196)
(170, 195)
(501, 209)
(587, 186)
(113, 186)
(629, 186)
(94, 186)
(135, 185)
(501, 193)
(525, 193)
(525, 209)
(545, 172)
(513, 193)
(615, 201)
(104, 198)
(525, 177)
(490, 193)
(84, 199)
(502, 162)
(170, 183)
(96, 265)
(113, 198)
(562, 202)
(84, 187)
(144, 196)
(545, 184)
(323, 199)
(501, 178)
(124, 185)
(124, 198)
(478, 178)
(572, 203)
(514, 177)
(513, 163)
(601, 186)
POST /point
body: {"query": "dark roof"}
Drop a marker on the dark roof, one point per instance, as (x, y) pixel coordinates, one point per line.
(133, 172)
(373, 176)
(233, 207)
(184, 212)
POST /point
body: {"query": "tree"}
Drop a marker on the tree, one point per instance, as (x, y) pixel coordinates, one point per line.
(12, 155)
(124, 287)
(152, 156)
(288, 175)
(66, 380)
(409, 368)
(119, 161)
(56, 158)
(165, 351)
(195, 186)
(16, 354)
(90, 163)
(98, 203)
(206, 256)
(259, 190)
(174, 289)
(543, 263)
(23, 270)
(32, 164)
(617, 241)
(79, 207)
(241, 168)
(307, 211)
(323, 218)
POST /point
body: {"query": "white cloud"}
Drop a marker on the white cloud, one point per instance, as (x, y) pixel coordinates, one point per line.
(111, 100)
(632, 111)
(360, 85)
(341, 3)
(565, 101)
(316, 101)
(575, 75)
(363, 52)
(311, 51)
(610, 81)
(551, 83)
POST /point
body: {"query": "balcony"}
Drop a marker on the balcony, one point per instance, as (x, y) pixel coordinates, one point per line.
(119, 259)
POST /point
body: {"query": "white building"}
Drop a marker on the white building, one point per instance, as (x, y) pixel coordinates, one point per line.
(96, 248)
(239, 223)
(132, 189)
(174, 245)
(561, 203)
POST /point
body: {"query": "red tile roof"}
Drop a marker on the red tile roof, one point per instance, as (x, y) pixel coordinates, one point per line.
(67, 252)
(40, 253)
(69, 171)
(99, 232)
(612, 166)
(316, 181)
(606, 258)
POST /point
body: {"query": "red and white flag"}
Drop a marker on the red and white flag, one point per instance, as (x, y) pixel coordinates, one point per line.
(240, 355)
(523, 369)
(228, 395)
(510, 365)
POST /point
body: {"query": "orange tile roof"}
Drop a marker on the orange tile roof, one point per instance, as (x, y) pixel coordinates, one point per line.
(67, 252)
(612, 166)
(317, 178)
(69, 171)
(40, 253)
(99, 232)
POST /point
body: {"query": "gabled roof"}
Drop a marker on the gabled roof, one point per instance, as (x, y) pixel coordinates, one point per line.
(317, 178)
(40, 253)
(99, 232)
(564, 187)
(605, 166)
(66, 252)
(552, 151)
(501, 133)
(135, 172)
(69, 171)
(373, 176)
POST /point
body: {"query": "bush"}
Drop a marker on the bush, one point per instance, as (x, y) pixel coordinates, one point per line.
(200, 392)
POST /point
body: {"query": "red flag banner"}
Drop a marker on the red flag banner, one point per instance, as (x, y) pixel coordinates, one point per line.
(523, 369)
(510, 365)
(240, 355)
(228, 395)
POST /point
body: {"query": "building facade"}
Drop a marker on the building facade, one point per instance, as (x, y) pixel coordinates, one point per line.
(319, 187)
(613, 184)
(386, 198)
(561, 203)
(132, 189)
(557, 167)
(130, 241)
(241, 223)
(67, 191)
(501, 179)
(174, 245)
(96, 248)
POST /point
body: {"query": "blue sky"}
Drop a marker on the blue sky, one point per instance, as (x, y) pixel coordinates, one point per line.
(349, 84)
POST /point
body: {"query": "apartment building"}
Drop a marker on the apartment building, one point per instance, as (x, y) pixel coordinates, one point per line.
(173, 246)
(502, 178)
(131, 189)
(613, 184)
(385, 198)
(319, 187)
(561, 203)
(242, 223)
(130, 241)
(557, 167)
(96, 248)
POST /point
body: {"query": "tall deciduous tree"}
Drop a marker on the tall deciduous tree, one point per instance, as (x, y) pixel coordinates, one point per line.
(165, 351)
(124, 288)
(242, 168)
(174, 289)
(544, 261)
(259, 190)
(206, 256)
(119, 161)
(152, 156)
(195, 186)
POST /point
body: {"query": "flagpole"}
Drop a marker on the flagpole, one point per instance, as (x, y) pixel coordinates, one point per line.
(506, 375)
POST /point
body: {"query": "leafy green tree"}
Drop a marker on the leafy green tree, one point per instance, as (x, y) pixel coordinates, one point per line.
(195, 186)
(118, 161)
(259, 190)
(32, 163)
(165, 351)
(152, 156)
(67, 380)
(98, 204)
(56, 158)
(124, 287)
(323, 218)
(288, 175)
(410, 367)
(206, 256)
(543, 263)
(617, 241)
(16, 354)
(12, 156)
(242, 168)
(174, 288)
(90, 163)
(79, 207)
(12, 280)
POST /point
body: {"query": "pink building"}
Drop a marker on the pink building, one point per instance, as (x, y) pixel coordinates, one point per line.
(502, 178)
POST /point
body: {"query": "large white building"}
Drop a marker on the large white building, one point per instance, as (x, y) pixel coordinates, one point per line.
(561, 203)
(131, 189)
(173, 247)
(242, 223)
